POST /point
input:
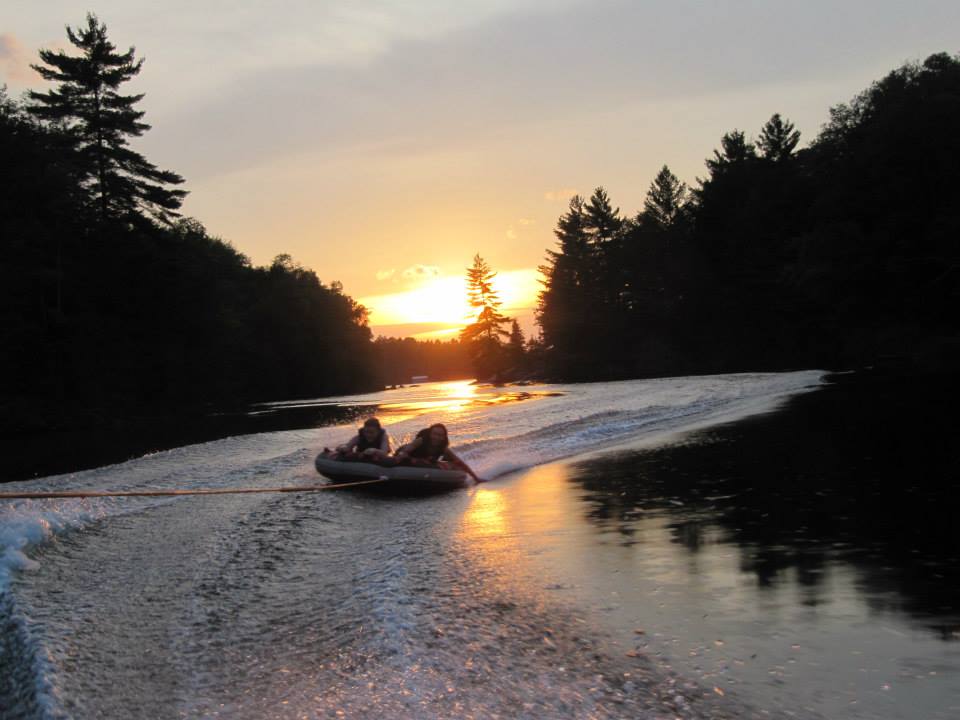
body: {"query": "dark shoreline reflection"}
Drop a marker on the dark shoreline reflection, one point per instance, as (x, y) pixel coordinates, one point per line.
(54, 452)
(859, 473)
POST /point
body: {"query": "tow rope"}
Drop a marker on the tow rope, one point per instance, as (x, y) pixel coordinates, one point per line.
(39, 495)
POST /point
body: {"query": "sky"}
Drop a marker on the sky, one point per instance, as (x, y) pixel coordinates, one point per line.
(383, 143)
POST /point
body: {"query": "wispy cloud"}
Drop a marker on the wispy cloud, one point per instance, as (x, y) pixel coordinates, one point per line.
(386, 274)
(526, 221)
(511, 234)
(15, 61)
(420, 272)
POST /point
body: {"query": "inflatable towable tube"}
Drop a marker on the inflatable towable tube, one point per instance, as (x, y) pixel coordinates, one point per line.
(403, 478)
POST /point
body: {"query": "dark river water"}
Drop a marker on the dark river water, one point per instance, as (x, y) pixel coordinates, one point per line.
(738, 546)
(806, 559)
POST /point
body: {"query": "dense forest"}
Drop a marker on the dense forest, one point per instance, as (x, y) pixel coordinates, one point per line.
(837, 254)
(111, 301)
(843, 253)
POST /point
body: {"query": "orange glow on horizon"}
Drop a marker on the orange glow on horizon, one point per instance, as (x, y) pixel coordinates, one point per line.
(445, 334)
(443, 301)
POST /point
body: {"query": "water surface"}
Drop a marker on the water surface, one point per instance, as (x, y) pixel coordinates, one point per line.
(676, 571)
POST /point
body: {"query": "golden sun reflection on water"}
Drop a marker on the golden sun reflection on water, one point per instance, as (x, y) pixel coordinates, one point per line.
(537, 505)
(504, 525)
(486, 515)
(545, 499)
(454, 396)
(460, 394)
(488, 533)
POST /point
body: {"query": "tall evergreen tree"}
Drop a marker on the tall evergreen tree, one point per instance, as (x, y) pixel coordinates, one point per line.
(666, 203)
(604, 268)
(565, 270)
(778, 139)
(568, 265)
(483, 298)
(582, 285)
(571, 231)
(562, 305)
(483, 335)
(601, 219)
(88, 104)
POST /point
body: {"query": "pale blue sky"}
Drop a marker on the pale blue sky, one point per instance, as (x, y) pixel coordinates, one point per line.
(365, 136)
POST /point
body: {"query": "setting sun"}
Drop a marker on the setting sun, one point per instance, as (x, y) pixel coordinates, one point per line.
(439, 305)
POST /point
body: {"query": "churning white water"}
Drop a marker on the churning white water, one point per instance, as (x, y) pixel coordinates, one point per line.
(335, 604)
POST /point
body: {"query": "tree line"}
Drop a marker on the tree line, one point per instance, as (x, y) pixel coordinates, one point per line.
(839, 254)
(400, 359)
(114, 302)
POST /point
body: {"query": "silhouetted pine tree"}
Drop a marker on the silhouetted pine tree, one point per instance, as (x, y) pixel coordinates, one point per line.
(666, 203)
(564, 307)
(483, 335)
(605, 226)
(101, 121)
(737, 151)
(484, 298)
(778, 139)
(602, 221)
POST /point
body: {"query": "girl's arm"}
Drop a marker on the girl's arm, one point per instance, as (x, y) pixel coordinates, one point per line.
(385, 442)
(452, 456)
(409, 447)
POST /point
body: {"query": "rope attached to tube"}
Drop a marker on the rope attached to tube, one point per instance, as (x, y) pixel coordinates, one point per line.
(199, 491)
